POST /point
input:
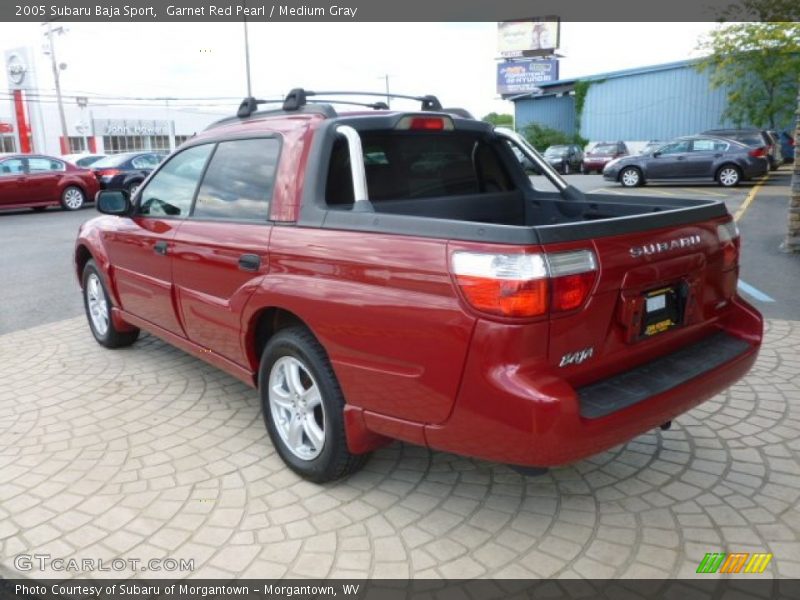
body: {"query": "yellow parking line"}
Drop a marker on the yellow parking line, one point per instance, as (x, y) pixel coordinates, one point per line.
(750, 197)
(699, 191)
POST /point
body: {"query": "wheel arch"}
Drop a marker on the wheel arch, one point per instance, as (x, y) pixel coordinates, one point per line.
(637, 167)
(264, 324)
(82, 256)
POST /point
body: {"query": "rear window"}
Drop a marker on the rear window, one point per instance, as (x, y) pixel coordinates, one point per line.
(605, 149)
(418, 165)
(115, 160)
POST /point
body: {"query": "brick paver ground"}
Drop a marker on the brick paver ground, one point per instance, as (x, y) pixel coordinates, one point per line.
(147, 452)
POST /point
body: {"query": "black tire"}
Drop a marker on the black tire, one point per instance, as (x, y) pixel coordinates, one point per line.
(631, 177)
(132, 188)
(567, 169)
(584, 170)
(334, 460)
(72, 198)
(729, 176)
(111, 337)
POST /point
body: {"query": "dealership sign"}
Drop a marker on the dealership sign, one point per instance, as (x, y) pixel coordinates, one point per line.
(130, 127)
(520, 77)
(6, 127)
(18, 69)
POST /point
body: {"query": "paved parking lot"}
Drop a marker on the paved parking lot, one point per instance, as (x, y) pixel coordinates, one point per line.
(147, 452)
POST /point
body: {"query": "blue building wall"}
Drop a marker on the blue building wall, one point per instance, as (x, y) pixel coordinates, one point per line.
(655, 103)
(552, 111)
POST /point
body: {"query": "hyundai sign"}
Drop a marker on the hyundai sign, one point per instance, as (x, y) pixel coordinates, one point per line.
(520, 77)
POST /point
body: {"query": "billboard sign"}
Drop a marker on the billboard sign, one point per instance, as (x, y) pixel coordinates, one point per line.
(523, 76)
(130, 127)
(533, 37)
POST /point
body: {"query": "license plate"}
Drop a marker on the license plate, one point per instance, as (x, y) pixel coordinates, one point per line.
(662, 311)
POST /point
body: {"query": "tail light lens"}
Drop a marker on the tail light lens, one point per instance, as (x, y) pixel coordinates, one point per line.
(758, 152)
(573, 275)
(107, 172)
(425, 123)
(728, 234)
(524, 285)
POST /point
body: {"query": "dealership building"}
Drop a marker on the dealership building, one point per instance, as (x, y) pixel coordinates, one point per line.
(659, 102)
(30, 120)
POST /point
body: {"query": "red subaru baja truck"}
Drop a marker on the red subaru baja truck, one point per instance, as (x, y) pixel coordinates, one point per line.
(382, 274)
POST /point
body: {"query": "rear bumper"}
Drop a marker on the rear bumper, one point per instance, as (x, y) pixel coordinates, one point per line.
(539, 419)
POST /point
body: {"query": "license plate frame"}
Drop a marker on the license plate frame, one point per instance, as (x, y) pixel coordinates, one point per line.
(662, 310)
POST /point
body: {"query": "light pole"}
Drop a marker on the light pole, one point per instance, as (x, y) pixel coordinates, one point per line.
(52, 51)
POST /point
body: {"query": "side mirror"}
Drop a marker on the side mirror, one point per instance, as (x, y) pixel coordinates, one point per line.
(656, 154)
(113, 202)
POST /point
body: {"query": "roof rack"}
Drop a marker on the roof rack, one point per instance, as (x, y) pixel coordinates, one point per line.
(297, 98)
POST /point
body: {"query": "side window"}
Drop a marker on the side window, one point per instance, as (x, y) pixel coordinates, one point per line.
(675, 148)
(43, 165)
(148, 161)
(238, 182)
(171, 191)
(709, 146)
(12, 166)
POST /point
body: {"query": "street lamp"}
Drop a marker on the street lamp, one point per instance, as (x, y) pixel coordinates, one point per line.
(51, 50)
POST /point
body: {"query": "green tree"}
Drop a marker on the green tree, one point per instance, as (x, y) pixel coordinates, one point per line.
(499, 120)
(757, 62)
(541, 136)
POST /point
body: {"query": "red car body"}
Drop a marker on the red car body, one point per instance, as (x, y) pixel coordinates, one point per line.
(602, 154)
(24, 187)
(417, 361)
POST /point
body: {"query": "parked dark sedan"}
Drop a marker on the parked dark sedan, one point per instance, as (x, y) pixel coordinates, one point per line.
(565, 158)
(755, 138)
(36, 181)
(125, 171)
(600, 155)
(692, 158)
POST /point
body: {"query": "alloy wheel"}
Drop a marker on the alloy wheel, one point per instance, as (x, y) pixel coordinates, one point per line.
(73, 198)
(296, 405)
(729, 176)
(630, 177)
(96, 301)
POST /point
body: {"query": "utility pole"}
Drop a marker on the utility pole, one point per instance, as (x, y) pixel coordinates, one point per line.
(64, 134)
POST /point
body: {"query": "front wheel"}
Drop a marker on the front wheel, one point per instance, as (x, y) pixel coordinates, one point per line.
(72, 198)
(729, 176)
(303, 407)
(98, 311)
(584, 170)
(630, 177)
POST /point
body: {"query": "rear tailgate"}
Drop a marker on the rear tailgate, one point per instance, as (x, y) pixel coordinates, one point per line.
(655, 292)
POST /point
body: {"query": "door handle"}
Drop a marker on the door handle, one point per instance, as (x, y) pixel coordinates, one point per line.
(160, 247)
(249, 262)
(681, 158)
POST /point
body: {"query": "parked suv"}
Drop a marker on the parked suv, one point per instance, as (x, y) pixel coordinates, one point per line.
(566, 158)
(755, 138)
(383, 275)
(601, 154)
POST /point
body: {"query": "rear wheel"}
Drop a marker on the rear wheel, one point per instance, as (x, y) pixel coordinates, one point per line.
(303, 407)
(72, 198)
(630, 177)
(133, 187)
(729, 176)
(98, 311)
(567, 169)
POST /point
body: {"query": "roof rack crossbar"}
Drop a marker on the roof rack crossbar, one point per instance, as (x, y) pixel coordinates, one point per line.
(298, 96)
(375, 105)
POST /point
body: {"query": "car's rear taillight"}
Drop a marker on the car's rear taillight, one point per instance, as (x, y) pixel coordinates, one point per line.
(572, 275)
(107, 172)
(524, 285)
(758, 152)
(728, 234)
